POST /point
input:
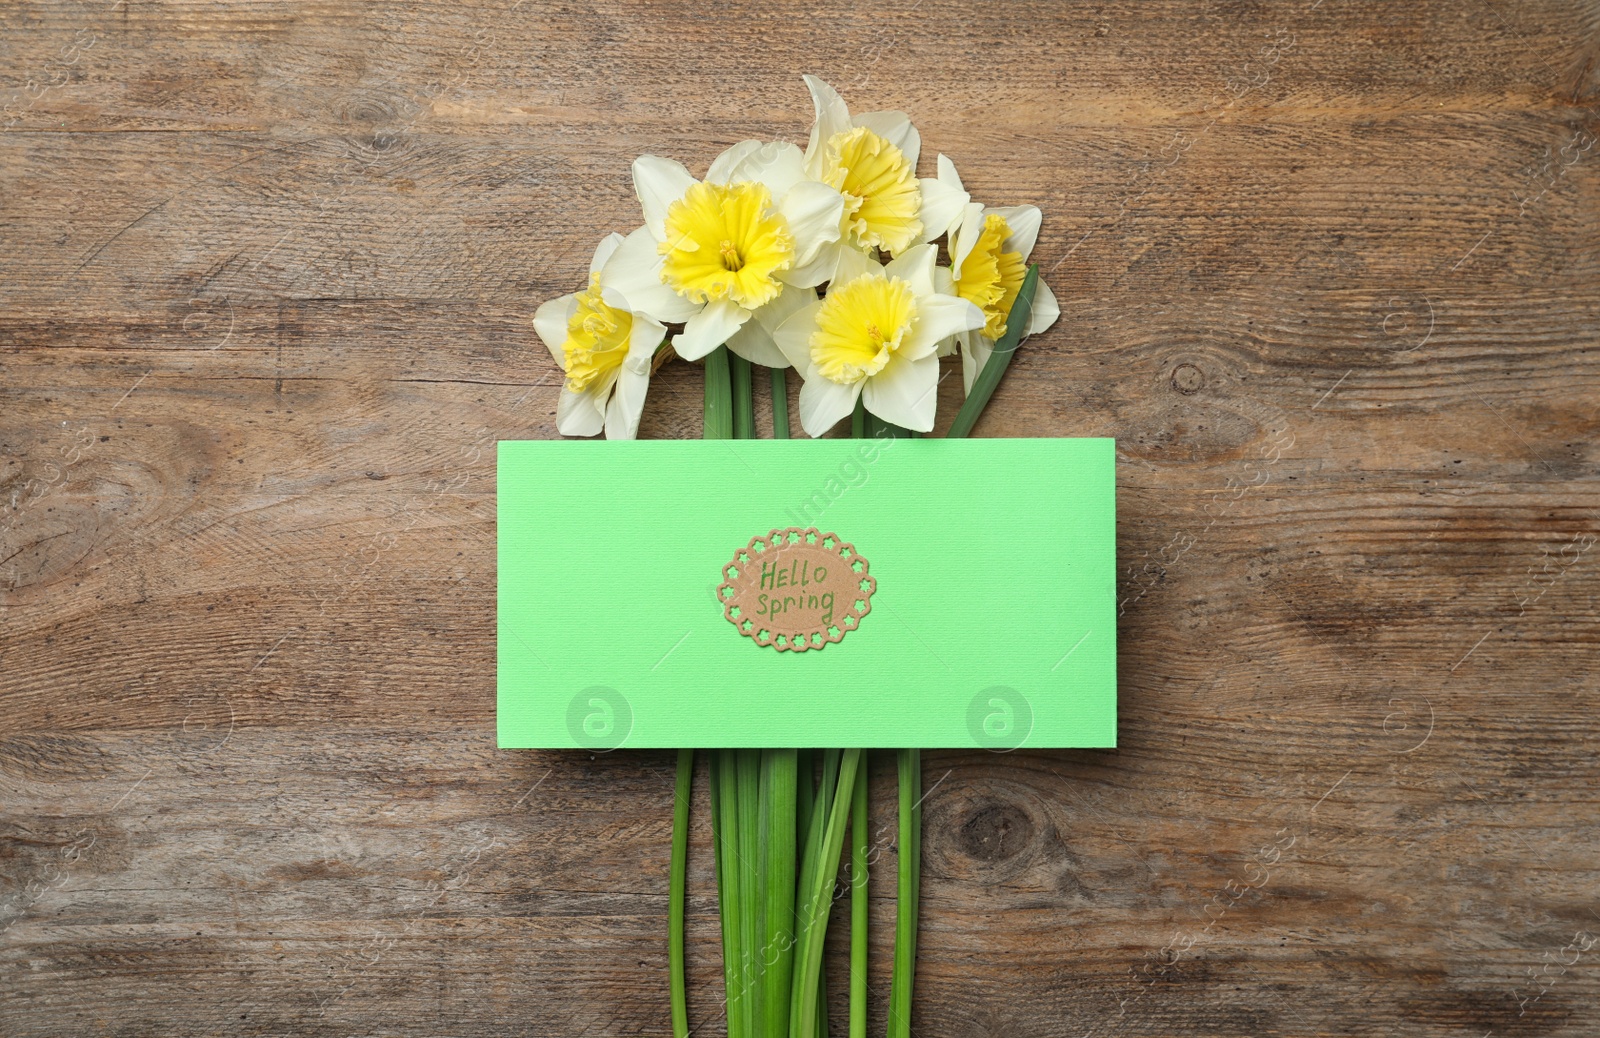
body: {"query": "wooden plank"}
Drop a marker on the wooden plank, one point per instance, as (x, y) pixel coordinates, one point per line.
(338, 878)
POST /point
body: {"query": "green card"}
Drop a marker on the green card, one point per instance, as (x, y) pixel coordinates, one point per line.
(875, 593)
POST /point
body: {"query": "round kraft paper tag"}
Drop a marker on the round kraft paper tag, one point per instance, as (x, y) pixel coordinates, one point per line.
(796, 589)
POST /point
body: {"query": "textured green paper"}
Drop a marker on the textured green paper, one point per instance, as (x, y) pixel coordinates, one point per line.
(993, 623)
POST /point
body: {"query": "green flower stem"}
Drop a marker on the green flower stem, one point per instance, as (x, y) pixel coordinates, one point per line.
(677, 880)
(907, 886)
(988, 377)
(748, 765)
(725, 799)
(858, 907)
(805, 794)
(877, 428)
(814, 830)
(724, 826)
(755, 794)
(858, 420)
(811, 841)
(719, 397)
(744, 405)
(815, 897)
(780, 404)
(775, 953)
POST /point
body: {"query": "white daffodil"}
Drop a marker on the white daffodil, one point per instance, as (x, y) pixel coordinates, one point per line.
(713, 252)
(871, 160)
(606, 352)
(874, 337)
(989, 253)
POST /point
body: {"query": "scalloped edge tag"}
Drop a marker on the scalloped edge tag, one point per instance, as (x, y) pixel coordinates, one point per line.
(796, 588)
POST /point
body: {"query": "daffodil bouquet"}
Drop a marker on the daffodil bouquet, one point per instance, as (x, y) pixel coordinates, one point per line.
(827, 261)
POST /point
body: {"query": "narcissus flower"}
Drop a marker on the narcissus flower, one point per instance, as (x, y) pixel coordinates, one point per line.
(713, 252)
(871, 160)
(989, 253)
(874, 337)
(738, 259)
(605, 351)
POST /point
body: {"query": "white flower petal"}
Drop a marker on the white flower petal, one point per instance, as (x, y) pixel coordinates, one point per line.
(942, 206)
(814, 211)
(580, 414)
(754, 343)
(975, 350)
(633, 381)
(832, 117)
(852, 264)
(550, 321)
(905, 392)
(896, 128)
(754, 340)
(646, 335)
(723, 167)
(709, 328)
(787, 303)
(631, 280)
(659, 182)
(945, 286)
(776, 164)
(965, 236)
(823, 402)
(938, 318)
(1024, 222)
(915, 266)
(1045, 309)
(822, 267)
(793, 336)
(603, 251)
(779, 164)
(947, 173)
(627, 404)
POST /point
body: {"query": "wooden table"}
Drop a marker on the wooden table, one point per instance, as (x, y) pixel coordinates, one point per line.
(1329, 272)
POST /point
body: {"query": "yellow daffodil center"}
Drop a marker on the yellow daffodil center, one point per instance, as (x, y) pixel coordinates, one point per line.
(859, 327)
(990, 277)
(880, 188)
(597, 338)
(726, 241)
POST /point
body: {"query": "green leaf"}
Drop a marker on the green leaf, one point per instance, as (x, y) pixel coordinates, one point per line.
(994, 368)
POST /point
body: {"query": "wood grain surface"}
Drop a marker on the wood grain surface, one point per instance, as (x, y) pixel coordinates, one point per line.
(1329, 273)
